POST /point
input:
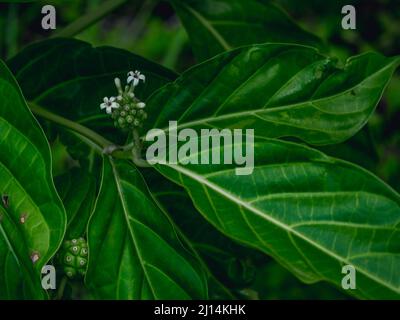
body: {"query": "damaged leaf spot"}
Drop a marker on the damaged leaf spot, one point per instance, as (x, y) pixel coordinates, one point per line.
(35, 257)
(5, 199)
(23, 218)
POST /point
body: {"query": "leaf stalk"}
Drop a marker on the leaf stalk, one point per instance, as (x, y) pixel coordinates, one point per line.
(130, 151)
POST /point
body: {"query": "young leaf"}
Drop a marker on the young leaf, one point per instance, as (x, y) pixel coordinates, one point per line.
(227, 24)
(134, 250)
(77, 189)
(277, 89)
(32, 218)
(80, 77)
(311, 212)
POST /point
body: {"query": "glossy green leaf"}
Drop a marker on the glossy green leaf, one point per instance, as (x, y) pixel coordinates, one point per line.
(32, 218)
(77, 189)
(311, 212)
(175, 201)
(134, 250)
(80, 77)
(215, 26)
(238, 267)
(227, 260)
(278, 90)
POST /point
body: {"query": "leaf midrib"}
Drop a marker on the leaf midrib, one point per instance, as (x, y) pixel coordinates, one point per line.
(126, 216)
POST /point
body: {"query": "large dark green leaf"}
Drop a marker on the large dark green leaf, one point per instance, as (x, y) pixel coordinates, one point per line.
(311, 212)
(227, 260)
(238, 267)
(32, 218)
(215, 26)
(134, 250)
(79, 77)
(77, 189)
(278, 90)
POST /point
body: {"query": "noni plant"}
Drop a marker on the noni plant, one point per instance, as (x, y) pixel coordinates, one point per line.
(215, 150)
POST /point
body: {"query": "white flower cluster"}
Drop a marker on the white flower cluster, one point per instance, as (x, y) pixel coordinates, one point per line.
(126, 109)
(133, 80)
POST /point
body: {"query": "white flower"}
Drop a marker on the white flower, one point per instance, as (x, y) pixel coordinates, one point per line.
(141, 105)
(135, 77)
(109, 104)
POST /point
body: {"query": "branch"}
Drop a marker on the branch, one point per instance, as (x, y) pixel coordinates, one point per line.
(84, 131)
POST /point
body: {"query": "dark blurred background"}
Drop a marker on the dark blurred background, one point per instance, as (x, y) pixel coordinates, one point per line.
(151, 29)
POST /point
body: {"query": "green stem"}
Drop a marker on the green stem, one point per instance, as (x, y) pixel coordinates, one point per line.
(86, 132)
(136, 140)
(90, 18)
(136, 151)
(93, 139)
(61, 288)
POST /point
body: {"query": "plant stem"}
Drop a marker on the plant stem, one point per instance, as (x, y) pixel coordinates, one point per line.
(136, 140)
(89, 19)
(94, 140)
(61, 288)
(136, 151)
(84, 131)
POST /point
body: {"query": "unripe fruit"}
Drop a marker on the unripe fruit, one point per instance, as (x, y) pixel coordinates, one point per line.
(129, 116)
(129, 119)
(73, 257)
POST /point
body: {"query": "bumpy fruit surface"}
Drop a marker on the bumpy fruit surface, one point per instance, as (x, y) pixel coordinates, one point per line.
(129, 116)
(73, 257)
